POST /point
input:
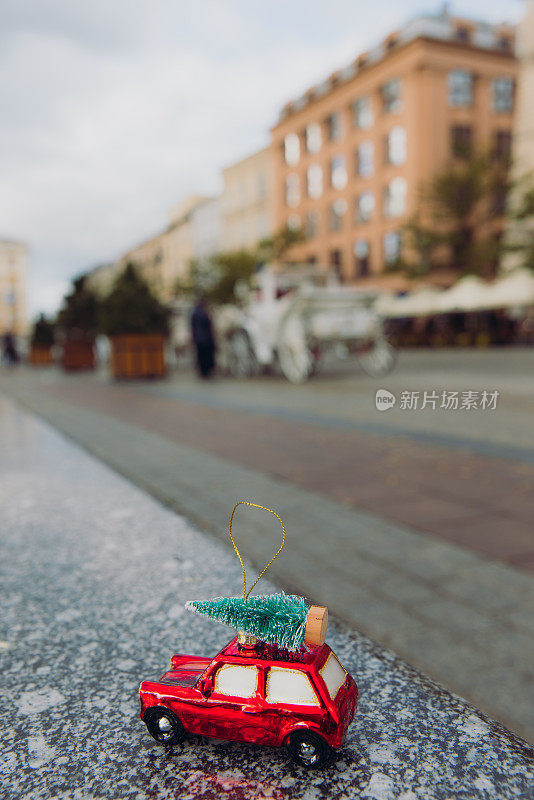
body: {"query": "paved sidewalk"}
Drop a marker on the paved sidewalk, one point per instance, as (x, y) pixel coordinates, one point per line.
(96, 573)
(484, 502)
(462, 618)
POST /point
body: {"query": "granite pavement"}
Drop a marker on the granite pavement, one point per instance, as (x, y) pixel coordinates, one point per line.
(95, 573)
(459, 614)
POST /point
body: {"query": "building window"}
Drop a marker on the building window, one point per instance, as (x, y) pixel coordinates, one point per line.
(395, 198)
(293, 222)
(365, 206)
(312, 224)
(262, 187)
(336, 261)
(263, 225)
(503, 94)
(396, 146)
(362, 113)
(460, 87)
(292, 149)
(313, 137)
(334, 127)
(461, 140)
(462, 33)
(361, 257)
(502, 145)
(392, 246)
(335, 215)
(391, 97)
(338, 172)
(365, 166)
(498, 203)
(505, 43)
(314, 181)
(292, 190)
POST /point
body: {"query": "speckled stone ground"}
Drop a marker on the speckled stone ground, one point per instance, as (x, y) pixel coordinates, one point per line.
(95, 574)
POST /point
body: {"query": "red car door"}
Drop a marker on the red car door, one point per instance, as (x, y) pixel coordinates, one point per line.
(288, 698)
(228, 710)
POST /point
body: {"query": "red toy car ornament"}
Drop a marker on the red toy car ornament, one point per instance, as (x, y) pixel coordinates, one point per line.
(256, 693)
(276, 683)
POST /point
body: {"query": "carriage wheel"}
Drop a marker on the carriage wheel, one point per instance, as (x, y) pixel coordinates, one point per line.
(296, 359)
(379, 360)
(241, 359)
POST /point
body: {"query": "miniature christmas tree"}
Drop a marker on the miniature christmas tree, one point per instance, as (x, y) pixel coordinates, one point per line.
(280, 619)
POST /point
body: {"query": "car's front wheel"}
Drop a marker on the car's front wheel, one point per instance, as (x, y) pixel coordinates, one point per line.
(164, 726)
(309, 749)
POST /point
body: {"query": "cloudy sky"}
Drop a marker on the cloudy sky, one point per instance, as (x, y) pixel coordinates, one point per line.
(113, 110)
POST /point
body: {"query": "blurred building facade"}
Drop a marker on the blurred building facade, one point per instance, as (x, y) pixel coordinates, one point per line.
(247, 201)
(206, 227)
(162, 259)
(523, 143)
(13, 277)
(351, 155)
(523, 148)
(101, 277)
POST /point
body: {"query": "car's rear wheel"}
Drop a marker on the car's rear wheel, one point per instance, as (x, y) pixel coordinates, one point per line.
(309, 749)
(164, 726)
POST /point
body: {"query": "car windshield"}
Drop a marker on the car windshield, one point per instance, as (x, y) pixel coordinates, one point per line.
(333, 675)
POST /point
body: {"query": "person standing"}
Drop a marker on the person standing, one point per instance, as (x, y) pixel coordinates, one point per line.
(203, 338)
(11, 356)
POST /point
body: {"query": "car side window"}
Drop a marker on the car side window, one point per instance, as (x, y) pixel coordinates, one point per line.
(236, 680)
(333, 675)
(290, 687)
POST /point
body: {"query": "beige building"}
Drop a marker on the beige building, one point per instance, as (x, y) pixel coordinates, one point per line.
(352, 154)
(524, 125)
(247, 201)
(523, 144)
(13, 274)
(206, 228)
(163, 259)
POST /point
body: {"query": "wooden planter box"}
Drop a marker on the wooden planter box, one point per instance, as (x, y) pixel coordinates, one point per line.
(78, 354)
(40, 355)
(137, 355)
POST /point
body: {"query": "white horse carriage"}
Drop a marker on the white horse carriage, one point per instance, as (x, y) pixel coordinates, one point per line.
(294, 318)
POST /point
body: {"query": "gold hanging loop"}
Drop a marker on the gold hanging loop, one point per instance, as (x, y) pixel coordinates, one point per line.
(263, 508)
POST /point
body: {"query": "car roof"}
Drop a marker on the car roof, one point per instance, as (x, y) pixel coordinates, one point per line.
(269, 652)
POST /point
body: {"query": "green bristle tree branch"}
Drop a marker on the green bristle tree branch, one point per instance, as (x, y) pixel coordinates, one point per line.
(274, 618)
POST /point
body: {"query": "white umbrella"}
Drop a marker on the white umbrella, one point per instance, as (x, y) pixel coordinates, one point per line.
(468, 294)
(513, 290)
(422, 303)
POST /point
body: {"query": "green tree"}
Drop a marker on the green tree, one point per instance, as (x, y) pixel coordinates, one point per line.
(79, 311)
(456, 223)
(519, 241)
(132, 307)
(275, 247)
(216, 277)
(43, 333)
(275, 618)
